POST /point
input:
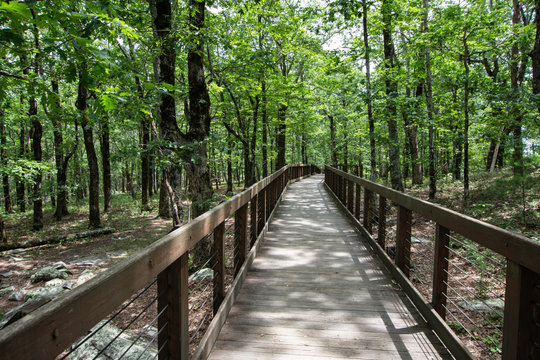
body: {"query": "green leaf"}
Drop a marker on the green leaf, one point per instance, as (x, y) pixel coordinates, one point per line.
(16, 8)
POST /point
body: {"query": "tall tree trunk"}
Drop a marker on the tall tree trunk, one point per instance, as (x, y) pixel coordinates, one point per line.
(391, 96)
(106, 164)
(333, 139)
(429, 105)
(264, 129)
(229, 165)
(517, 155)
(466, 119)
(93, 198)
(3, 159)
(281, 131)
(200, 187)
(146, 172)
(371, 121)
(61, 160)
(164, 211)
(535, 54)
(168, 128)
(411, 134)
(19, 184)
(37, 133)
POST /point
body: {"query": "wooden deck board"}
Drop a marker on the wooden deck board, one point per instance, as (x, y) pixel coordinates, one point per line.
(315, 291)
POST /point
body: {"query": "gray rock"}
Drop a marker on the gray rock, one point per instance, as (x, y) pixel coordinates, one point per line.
(54, 282)
(23, 310)
(48, 291)
(15, 259)
(16, 296)
(7, 274)
(205, 273)
(48, 273)
(60, 265)
(123, 237)
(7, 290)
(117, 254)
(416, 240)
(84, 277)
(486, 306)
(67, 285)
(128, 345)
(91, 261)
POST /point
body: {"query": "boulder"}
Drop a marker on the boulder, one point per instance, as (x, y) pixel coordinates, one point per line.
(48, 273)
(127, 345)
(84, 277)
(205, 273)
(7, 290)
(16, 296)
(47, 291)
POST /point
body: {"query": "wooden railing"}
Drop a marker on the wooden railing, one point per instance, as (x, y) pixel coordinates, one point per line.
(516, 280)
(50, 330)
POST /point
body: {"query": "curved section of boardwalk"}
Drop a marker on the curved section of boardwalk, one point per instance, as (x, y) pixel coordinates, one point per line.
(317, 292)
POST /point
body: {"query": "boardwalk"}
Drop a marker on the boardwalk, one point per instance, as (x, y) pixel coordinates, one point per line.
(317, 292)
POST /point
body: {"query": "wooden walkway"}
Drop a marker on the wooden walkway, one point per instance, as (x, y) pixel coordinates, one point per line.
(316, 291)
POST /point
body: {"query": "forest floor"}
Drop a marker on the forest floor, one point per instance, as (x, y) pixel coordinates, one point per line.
(497, 198)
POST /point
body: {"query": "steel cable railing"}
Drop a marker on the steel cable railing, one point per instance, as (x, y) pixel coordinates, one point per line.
(469, 271)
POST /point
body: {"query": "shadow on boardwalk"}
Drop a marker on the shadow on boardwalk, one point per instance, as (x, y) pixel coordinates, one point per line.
(317, 292)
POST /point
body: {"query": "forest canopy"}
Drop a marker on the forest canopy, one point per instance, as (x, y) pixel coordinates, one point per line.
(177, 98)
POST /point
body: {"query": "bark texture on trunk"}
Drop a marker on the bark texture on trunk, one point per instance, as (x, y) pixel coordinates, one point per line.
(93, 198)
(281, 133)
(371, 121)
(391, 94)
(535, 55)
(466, 120)
(517, 155)
(106, 164)
(3, 159)
(429, 105)
(37, 134)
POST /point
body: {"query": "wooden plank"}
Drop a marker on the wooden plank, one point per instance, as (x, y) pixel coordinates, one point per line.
(381, 231)
(448, 337)
(350, 197)
(311, 287)
(368, 210)
(514, 246)
(173, 322)
(253, 209)
(241, 242)
(219, 266)
(440, 269)
(53, 329)
(403, 240)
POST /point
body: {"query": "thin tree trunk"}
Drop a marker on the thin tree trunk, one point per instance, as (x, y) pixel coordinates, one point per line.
(146, 172)
(466, 119)
(93, 199)
(3, 159)
(281, 131)
(517, 155)
(333, 139)
(535, 54)
(391, 94)
(429, 105)
(164, 207)
(37, 133)
(229, 165)
(106, 164)
(371, 121)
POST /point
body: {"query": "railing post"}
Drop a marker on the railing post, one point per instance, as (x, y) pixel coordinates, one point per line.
(253, 206)
(262, 205)
(350, 196)
(240, 237)
(357, 202)
(403, 240)
(520, 313)
(440, 270)
(368, 210)
(219, 266)
(173, 322)
(381, 230)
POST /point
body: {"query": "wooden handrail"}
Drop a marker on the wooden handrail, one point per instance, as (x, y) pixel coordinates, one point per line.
(58, 324)
(522, 295)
